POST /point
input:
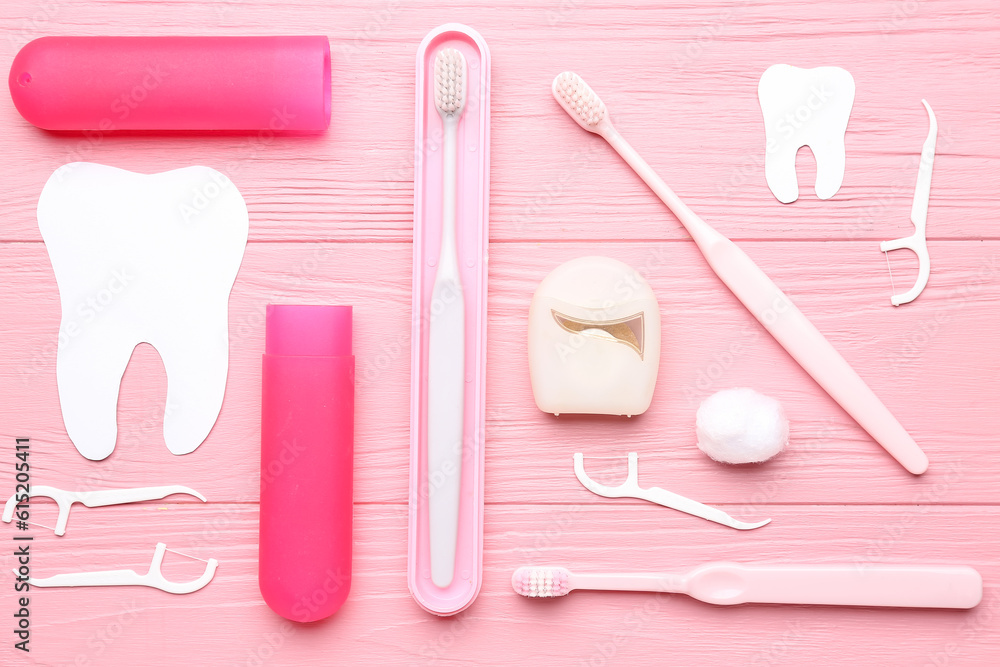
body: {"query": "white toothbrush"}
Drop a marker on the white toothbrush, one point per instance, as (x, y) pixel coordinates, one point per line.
(943, 587)
(800, 338)
(446, 349)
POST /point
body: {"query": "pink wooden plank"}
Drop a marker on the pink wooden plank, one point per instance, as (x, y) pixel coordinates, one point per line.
(924, 360)
(694, 117)
(226, 467)
(226, 623)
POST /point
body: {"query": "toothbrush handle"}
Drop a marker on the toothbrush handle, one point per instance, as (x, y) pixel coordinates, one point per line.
(652, 583)
(804, 342)
(800, 338)
(445, 413)
(446, 381)
(945, 587)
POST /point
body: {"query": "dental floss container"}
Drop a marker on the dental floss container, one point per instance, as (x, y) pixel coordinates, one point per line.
(593, 339)
(307, 460)
(104, 84)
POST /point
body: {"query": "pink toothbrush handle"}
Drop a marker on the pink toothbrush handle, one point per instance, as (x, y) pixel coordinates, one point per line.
(810, 349)
(947, 587)
(782, 319)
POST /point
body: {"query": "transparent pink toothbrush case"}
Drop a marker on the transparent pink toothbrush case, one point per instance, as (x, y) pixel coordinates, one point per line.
(472, 231)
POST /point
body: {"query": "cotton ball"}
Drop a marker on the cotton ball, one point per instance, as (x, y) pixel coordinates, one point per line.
(741, 426)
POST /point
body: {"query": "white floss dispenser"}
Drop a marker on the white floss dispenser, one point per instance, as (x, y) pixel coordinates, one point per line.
(593, 339)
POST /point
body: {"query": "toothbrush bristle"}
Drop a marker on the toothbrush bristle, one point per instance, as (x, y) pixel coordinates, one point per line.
(449, 81)
(541, 582)
(579, 99)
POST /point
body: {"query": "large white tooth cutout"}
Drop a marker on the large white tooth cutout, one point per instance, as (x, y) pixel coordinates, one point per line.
(142, 258)
(805, 107)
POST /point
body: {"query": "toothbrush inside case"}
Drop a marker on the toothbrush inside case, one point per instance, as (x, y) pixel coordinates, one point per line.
(471, 239)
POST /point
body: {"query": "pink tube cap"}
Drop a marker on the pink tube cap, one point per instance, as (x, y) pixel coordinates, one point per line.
(277, 84)
(308, 331)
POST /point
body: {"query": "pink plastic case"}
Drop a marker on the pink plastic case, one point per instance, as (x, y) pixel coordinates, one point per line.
(472, 231)
(306, 460)
(108, 83)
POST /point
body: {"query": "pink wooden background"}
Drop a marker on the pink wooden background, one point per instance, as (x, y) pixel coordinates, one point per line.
(331, 222)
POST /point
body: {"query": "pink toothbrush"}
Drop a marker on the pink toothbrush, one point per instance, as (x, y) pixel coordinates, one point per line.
(946, 587)
(759, 294)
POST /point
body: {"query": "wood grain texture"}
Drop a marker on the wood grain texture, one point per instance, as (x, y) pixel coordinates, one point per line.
(687, 101)
(331, 221)
(913, 358)
(227, 623)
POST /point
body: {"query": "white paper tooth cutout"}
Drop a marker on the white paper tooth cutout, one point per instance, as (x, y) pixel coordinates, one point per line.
(142, 258)
(805, 107)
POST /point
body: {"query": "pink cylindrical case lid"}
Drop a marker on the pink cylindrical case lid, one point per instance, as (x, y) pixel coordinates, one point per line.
(174, 83)
(307, 459)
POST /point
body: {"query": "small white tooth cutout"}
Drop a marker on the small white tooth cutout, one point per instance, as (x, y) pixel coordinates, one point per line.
(142, 258)
(805, 107)
(581, 98)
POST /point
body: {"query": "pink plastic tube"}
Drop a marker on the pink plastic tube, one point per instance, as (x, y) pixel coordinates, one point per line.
(174, 83)
(307, 459)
